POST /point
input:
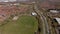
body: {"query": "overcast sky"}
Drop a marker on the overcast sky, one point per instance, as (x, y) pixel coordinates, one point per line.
(11, 0)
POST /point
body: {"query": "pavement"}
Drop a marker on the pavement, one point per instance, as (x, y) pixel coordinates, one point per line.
(45, 27)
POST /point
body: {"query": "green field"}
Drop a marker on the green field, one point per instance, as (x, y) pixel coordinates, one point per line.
(24, 25)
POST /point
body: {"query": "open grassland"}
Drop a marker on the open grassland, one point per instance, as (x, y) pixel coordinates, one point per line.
(24, 25)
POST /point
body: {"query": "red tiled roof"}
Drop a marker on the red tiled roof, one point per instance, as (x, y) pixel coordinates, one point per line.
(11, 9)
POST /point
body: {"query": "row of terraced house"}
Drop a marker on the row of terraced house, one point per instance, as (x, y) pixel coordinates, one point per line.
(7, 10)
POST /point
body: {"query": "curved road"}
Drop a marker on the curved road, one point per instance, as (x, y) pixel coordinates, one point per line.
(44, 20)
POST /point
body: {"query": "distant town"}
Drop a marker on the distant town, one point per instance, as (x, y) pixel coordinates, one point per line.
(29, 17)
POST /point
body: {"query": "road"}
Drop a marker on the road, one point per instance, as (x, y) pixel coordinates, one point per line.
(44, 24)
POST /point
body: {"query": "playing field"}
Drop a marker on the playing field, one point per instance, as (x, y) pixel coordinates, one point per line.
(24, 25)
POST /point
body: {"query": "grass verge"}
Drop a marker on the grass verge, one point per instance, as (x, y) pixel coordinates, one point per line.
(24, 25)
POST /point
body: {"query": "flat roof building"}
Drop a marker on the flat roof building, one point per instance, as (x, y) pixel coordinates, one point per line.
(58, 20)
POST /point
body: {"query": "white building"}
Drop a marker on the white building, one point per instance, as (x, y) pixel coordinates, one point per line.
(58, 20)
(33, 13)
(54, 11)
(15, 18)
